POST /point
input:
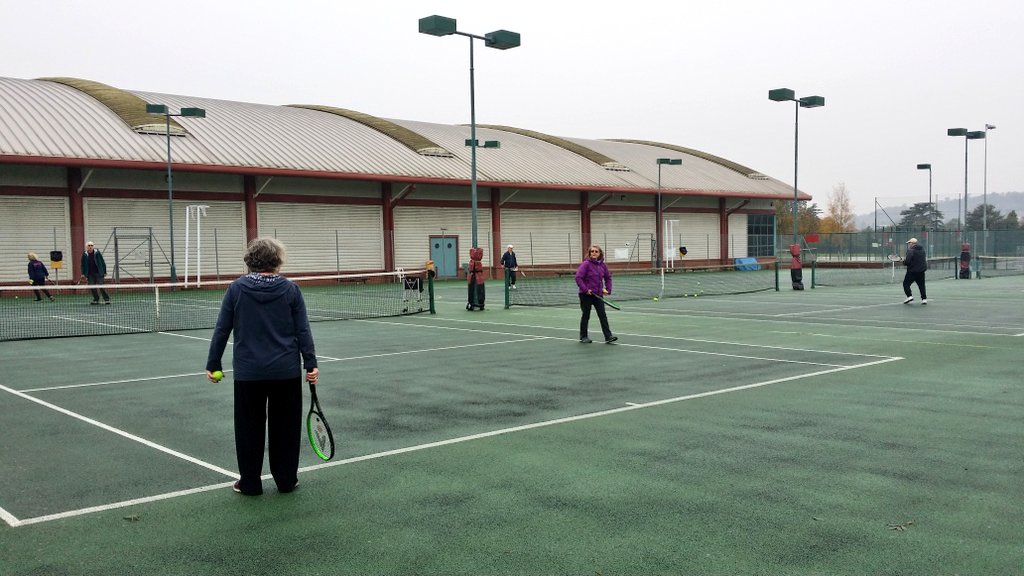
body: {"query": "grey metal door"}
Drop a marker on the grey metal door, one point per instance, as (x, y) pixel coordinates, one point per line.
(444, 251)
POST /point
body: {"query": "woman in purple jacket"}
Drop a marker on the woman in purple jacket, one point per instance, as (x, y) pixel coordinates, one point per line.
(594, 280)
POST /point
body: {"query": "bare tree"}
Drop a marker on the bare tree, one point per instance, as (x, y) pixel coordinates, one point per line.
(839, 216)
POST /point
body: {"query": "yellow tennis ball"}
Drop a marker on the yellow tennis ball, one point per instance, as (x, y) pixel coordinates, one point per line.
(655, 298)
(218, 375)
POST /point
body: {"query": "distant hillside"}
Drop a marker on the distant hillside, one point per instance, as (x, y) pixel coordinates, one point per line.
(1003, 201)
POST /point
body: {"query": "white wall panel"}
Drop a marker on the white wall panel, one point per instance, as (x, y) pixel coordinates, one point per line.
(32, 224)
(325, 237)
(542, 237)
(415, 225)
(223, 236)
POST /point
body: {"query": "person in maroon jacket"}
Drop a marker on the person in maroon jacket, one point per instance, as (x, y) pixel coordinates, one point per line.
(594, 280)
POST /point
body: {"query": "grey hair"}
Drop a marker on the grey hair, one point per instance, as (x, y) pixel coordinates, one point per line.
(33, 256)
(264, 255)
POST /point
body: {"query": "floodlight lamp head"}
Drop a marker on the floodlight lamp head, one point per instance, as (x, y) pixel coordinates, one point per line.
(437, 26)
(670, 161)
(502, 39)
(956, 132)
(990, 126)
(812, 101)
(924, 166)
(156, 109)
(976, 135)
(781, 95)
(193, 112)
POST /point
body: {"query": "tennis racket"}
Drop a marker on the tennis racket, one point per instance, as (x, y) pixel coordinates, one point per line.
(895, 258)
(608, 302)
(316, 427)
(520, 272)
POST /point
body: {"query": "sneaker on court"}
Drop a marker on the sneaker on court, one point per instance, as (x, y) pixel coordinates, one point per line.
(924, 302)
(585, 340)
(237, 486)
(908, 300)
(610, 340)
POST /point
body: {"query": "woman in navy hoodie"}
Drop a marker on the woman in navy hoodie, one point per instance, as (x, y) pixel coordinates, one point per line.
(37, 274)
(272, 344)
(594, 280)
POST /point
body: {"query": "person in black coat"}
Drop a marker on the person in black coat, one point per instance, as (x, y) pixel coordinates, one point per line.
(916, 263)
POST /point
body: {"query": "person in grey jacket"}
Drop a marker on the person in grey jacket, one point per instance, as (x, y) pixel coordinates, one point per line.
(272, 344)
(916, 263)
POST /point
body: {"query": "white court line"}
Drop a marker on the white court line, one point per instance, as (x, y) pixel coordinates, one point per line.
(80, 320)
(451, 441)
(120, 432)
(319, 359)
(681, 338)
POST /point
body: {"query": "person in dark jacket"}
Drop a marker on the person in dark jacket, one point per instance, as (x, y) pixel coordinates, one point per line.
(37, 275)
(93, 271)
(916, 263)
(272, 344)
(508, 260)
(594, 279)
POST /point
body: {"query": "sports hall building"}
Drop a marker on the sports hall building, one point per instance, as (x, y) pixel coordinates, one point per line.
(344, 190)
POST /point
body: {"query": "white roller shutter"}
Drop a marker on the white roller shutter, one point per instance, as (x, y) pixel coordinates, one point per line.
(738, 236)
(223, 237)
(32, 224)
(325, 237)
(699, 233)
(415, 225)
(623, 233)
(542, 237)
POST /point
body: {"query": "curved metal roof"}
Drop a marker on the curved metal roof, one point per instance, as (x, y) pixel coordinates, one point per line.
(69, 121)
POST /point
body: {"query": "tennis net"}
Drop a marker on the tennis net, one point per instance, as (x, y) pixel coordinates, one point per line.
(170, 307)
(873, 273)
(554, 287)
(999, 265)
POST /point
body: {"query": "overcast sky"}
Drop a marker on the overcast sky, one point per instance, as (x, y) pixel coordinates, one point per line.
(895, 74)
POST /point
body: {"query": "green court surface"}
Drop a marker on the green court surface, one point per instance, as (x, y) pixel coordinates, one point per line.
(830, 431)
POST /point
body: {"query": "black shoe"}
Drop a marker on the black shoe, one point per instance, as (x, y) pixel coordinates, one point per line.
(94, 302)
(51, 299)
(237, 487)
(107, 302)
(585, 340)
(610, 340)
(39, 299)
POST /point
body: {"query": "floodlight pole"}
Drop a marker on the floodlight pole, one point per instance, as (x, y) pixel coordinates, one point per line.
(931, 207)
(984, 214)
(659, 216)
(787, 95)
(164, 111)
(975, 135)
(499, 39)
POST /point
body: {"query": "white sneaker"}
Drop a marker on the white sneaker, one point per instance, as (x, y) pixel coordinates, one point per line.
(908, 300)
(924, 302)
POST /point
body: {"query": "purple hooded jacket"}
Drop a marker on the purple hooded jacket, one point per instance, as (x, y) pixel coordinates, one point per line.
(591, 273)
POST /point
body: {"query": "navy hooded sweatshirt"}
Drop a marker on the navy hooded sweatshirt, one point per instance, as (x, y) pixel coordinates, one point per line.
(271, 330)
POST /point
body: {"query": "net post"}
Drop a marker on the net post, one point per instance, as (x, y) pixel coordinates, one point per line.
(814, 268)
(508, 295)
(430, 291)
(775, 265)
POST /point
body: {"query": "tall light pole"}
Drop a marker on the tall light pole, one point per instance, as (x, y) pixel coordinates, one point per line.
(984, 214)
(787, 95)
(499, 39)
(162, 110)
(977, 135)
(931, 206)
(658, 218)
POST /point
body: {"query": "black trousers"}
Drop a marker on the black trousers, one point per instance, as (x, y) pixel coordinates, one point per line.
(586, 302)
(914, 278)
(39, 292)
(274, 407)
(96, 279)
